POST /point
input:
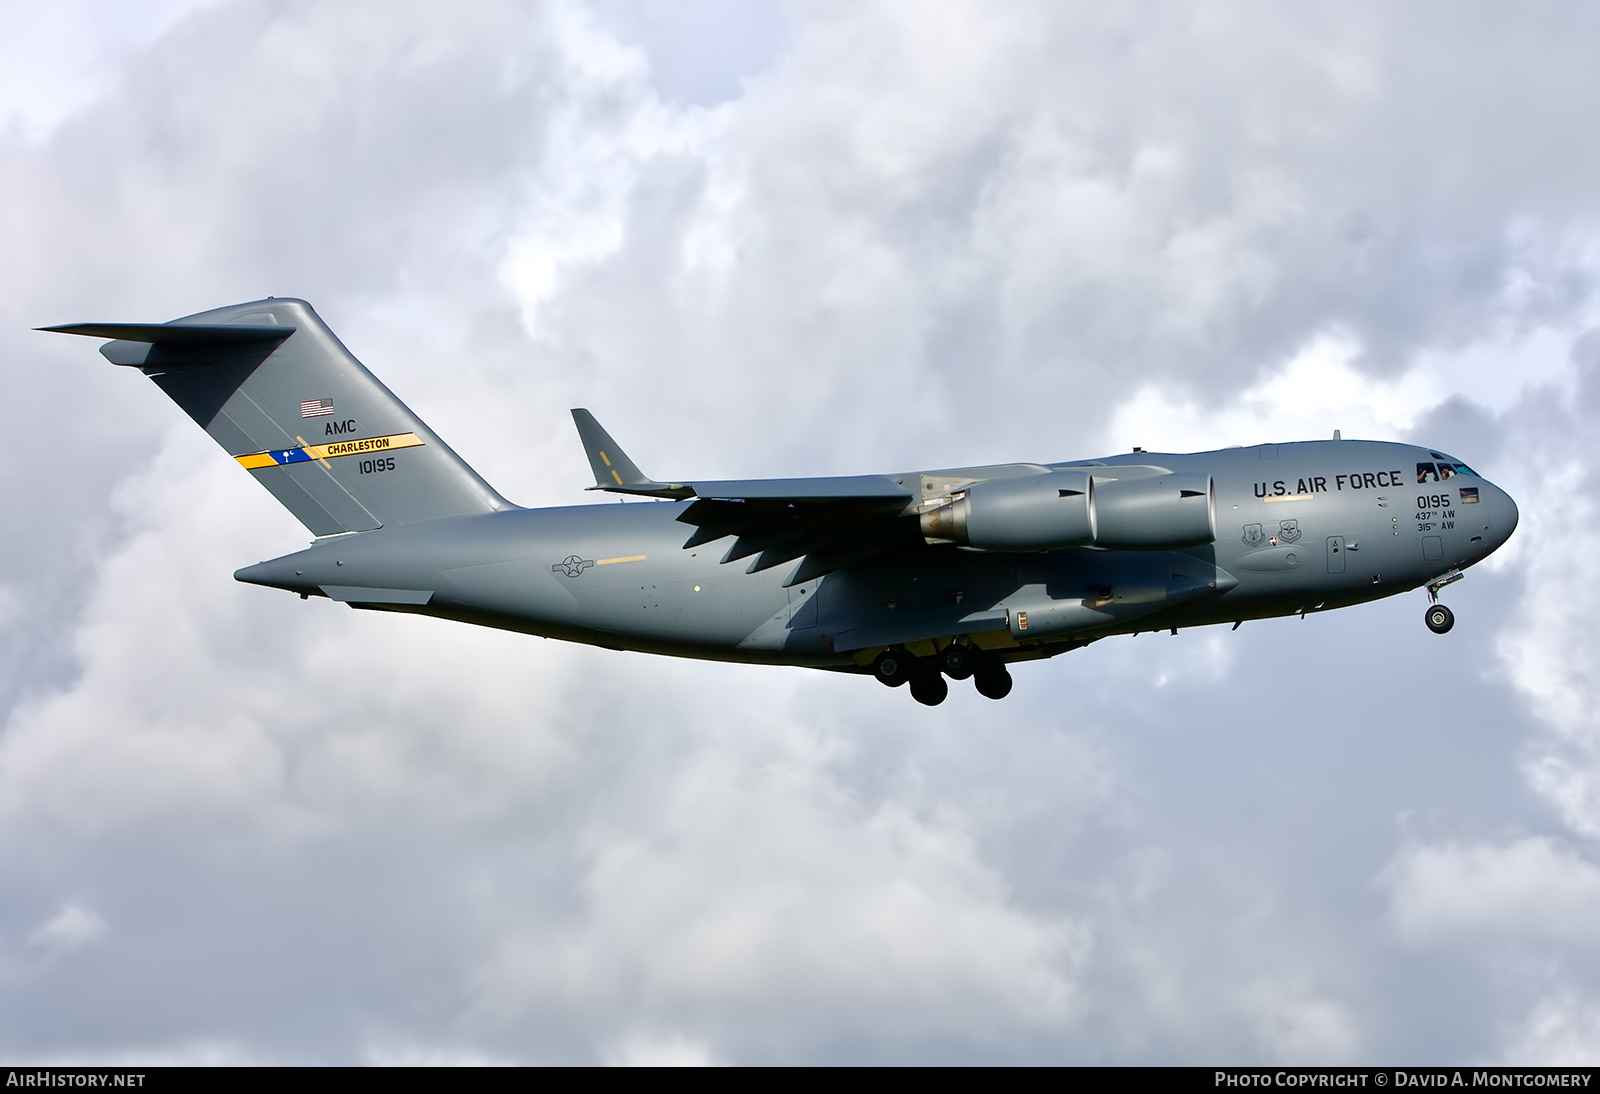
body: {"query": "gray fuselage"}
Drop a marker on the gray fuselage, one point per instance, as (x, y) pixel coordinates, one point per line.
(1298, 527)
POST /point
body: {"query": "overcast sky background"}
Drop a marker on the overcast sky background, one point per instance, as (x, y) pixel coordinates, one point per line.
(763, 240)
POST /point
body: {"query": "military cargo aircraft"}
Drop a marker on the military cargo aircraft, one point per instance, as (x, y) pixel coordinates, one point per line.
(911, 577)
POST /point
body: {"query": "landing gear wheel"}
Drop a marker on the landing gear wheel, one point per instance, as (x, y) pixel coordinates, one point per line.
(893, 667)
(929, 688)
(959, 661)
(1440, 619)
(993, 683)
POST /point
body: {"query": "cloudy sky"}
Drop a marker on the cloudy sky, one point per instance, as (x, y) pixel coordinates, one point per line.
(793, 239)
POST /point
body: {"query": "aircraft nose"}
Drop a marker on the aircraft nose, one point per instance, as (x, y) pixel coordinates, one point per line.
(1502, 513)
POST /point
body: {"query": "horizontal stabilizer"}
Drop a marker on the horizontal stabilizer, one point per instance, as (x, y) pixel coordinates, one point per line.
(174, 333)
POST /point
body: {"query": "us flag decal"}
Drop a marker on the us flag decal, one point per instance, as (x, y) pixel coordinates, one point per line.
(315, 408)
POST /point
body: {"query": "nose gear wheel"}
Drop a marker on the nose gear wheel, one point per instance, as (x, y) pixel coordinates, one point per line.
(1440, 618)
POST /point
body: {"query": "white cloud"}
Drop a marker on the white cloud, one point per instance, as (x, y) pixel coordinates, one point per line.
(226, 713)
(412, 1055)
(1296, 1026)
(1529, 888)
(1561, 1031)
(72, 928)
(1552, 654)
(662, 1051)
(58, 58)
(1319, 388)
(762, 885)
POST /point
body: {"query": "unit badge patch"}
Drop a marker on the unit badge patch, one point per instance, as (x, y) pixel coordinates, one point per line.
(1253, 535)
(1288, 531)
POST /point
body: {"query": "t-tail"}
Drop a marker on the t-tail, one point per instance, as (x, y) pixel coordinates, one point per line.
(275, 388)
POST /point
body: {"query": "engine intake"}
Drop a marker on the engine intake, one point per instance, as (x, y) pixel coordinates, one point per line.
(1075, 509)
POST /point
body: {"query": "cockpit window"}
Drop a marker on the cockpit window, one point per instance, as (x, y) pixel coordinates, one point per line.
(1447, 466)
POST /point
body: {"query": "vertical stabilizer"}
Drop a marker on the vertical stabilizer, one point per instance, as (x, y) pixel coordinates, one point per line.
(275, 388)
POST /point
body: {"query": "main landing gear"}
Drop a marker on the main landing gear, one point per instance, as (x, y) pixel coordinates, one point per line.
(1440, 618)
(897, 665)
(929, 688)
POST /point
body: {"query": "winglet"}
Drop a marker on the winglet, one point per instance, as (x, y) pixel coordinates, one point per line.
(613, 470)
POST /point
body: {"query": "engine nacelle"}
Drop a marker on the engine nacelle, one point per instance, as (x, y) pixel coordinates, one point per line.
(1156, 514)
(1072, 508)
(1029, 513)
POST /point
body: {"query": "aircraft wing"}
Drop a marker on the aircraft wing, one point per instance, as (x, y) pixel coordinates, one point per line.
(828, 533)
(843, 488)
(829, 522)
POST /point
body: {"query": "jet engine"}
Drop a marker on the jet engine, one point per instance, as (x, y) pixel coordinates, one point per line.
(1076, 508)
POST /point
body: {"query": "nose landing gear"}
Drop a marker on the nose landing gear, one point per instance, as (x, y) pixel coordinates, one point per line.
(1440, 618)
